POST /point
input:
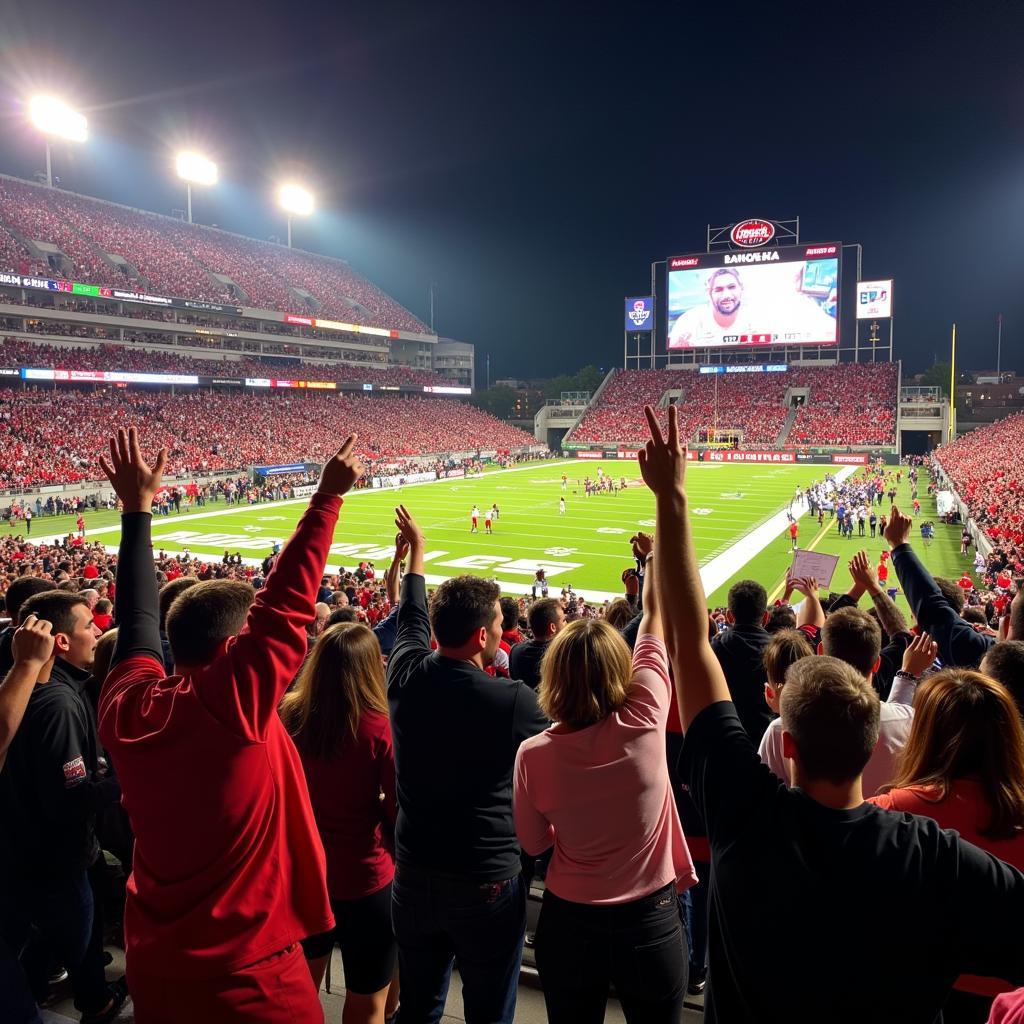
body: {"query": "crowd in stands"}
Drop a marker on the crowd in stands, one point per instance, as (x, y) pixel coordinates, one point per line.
(17, 353)
(43, 441)
(847, 404)
(986, 469)
(170, 257)
(361, 764)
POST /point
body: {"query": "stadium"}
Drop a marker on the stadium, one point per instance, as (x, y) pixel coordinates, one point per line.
(331, 692)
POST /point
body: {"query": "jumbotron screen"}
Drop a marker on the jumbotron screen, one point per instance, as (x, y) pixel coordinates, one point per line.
(784, 296)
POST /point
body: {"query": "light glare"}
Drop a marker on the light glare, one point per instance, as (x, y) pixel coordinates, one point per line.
(295, 199)
(195, 168)
(53, 117)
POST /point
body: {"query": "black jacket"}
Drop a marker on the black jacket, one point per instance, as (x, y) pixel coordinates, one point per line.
(740, 650)
(455, 731)
(51, 788)
(524, 661)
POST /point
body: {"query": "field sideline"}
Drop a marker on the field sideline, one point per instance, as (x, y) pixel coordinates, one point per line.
(738, 515)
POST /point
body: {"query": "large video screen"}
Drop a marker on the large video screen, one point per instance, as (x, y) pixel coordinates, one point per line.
(784, 296)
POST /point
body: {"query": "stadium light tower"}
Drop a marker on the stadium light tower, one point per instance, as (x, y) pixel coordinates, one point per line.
(195, 169)
(295, 200)
(53, 117)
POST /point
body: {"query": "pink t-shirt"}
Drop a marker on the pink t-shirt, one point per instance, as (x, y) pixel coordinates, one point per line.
(602, 795)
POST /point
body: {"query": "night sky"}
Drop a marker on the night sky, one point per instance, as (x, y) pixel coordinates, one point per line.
(532, 159)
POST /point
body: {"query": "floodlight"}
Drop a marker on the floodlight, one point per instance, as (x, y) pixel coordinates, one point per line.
(54, 117)
(295, 199)
(196, 169)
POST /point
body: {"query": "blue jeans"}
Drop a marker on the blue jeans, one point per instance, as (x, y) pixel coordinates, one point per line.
(694, 903)
(438, 921)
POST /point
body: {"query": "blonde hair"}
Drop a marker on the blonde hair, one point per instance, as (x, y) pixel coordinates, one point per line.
(342, 678)
(585, 674)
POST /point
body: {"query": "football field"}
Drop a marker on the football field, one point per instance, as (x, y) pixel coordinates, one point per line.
(738, 514)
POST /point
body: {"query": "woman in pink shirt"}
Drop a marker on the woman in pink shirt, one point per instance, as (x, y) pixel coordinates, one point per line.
(963, 765)
(596, 786)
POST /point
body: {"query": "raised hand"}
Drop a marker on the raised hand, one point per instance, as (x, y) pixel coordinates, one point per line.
(862, 571)
(642, 544)
(408, 528)
(401, 548)
(631, 582)
(897, 530)
(33, 642)
(920, 655)
(663, 460)
(342, 471)
(134, 481)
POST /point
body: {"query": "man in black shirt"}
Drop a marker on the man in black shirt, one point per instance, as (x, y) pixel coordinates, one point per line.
(814, 870)
(52, 788)
(740, 650)
(457, 892)
(547, 620)
(17, 594)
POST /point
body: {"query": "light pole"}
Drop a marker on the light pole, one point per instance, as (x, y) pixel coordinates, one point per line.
(195, 169)
(294, 200)
(53, 117)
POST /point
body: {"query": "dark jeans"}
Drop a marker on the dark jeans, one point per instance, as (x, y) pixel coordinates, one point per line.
(695, 917)
(478, 925)
(639, 947)
(66, 912)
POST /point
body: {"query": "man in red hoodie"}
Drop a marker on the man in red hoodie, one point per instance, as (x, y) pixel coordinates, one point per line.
(229, 870)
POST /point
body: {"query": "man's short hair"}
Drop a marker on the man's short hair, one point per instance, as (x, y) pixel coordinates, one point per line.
(21, 590)
(780, 618)
(975, 615)
(104, 606)
(785, 648)
(619, 613)
(748, 602)
(168, 592)
(461, 606)
(1004, 662)
(56, 607)
(832, 714)
(724, 270)
(344, 614)
(542, 614)
(509, 613)
(953, 594)
(203, 616)
(851, 635)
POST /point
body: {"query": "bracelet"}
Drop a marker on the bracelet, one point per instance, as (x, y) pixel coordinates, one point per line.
(907, 675)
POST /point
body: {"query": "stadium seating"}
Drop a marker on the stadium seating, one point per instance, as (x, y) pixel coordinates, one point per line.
(175, 258)
(45, 442)
(848, 404)
(16, 353)
(986, 467)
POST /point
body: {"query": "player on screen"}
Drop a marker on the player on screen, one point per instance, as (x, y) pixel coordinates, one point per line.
(723, 315)
(474, 517)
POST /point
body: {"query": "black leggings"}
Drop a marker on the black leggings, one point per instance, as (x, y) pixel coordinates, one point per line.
(639, 946)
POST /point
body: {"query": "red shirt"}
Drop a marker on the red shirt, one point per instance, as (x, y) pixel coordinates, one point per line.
(345, 793)
(228, 865)
(90, 572)
(883, 572)
(793, 530)
(102, 622)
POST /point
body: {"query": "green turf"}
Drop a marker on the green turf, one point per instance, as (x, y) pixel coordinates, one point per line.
(587, 547)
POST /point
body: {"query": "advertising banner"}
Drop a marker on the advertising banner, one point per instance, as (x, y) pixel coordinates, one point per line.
(628, 453)
(640, 313)
(850, 459)
(729, 455)
(874, 300)
(590, 455)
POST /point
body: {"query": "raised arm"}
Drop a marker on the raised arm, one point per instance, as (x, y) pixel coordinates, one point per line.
(650, 621)
(33, 655)
(699, 679)
(412, 638)
(959, 644)
(135, 605)
(393, 575)
(866, 579)
(811, 611)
